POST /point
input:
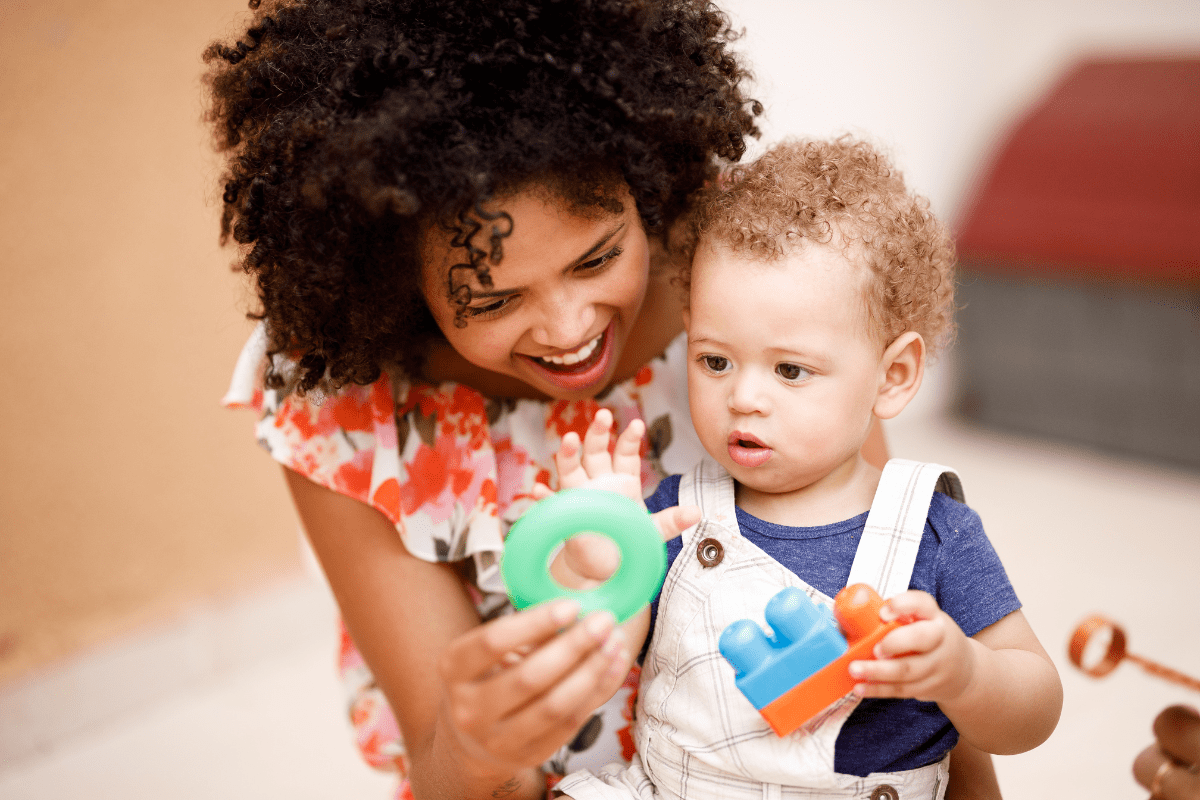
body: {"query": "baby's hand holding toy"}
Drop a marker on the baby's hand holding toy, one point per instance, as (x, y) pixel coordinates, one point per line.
(805, 665)
(929, 658)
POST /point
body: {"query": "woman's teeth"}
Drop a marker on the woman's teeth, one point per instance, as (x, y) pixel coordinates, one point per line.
(566, 359)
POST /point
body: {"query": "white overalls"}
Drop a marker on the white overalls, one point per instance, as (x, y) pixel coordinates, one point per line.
(697, 736)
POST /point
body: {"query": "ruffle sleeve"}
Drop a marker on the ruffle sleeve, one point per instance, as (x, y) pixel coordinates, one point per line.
(451, 469)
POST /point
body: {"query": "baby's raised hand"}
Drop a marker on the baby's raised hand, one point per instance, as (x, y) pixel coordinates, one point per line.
(587, 560)
(929, 659)
(588, 463)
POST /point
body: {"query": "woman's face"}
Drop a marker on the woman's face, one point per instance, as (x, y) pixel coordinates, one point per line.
(563, 298)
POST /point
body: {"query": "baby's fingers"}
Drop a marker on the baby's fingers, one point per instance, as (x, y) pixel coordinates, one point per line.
(921, 636)
(571, 473)
(675, 520)
(892, 677)
(910, 605)
(627, 456)
(596, 459)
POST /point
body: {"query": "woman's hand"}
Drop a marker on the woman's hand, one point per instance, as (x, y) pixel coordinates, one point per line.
(1170, 768)
(929, 659)
(480, 706)
(520, 686)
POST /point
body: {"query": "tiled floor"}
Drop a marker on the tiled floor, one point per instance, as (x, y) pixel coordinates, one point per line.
(1078, 533)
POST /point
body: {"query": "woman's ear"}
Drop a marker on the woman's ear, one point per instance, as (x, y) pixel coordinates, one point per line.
(902, 368)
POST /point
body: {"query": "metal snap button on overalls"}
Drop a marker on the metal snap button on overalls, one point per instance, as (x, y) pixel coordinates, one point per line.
(885, 792)
(709, 552)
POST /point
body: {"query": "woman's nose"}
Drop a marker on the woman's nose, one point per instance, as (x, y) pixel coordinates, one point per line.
(565, 322)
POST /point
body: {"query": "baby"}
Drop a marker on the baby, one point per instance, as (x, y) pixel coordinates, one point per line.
(819, 289)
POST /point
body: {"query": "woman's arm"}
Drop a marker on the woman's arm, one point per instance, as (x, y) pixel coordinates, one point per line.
(972, 775)
(477, 718)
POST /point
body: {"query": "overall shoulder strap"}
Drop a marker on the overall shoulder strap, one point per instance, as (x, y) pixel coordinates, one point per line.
(710, 487)
(888, 548)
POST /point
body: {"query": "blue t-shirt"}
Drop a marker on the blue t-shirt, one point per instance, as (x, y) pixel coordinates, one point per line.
(955, 563)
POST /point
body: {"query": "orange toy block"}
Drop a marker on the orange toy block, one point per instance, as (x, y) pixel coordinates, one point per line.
(857, 610)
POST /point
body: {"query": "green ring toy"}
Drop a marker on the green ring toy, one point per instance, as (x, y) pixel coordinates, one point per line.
(525, 561)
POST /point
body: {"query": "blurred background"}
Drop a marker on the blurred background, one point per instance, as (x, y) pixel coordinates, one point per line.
(162, 632)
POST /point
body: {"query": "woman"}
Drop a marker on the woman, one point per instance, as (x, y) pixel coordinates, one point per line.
(458, 221)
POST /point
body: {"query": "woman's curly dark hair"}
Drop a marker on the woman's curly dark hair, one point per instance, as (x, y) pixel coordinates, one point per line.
(350, 127)
(816, 191)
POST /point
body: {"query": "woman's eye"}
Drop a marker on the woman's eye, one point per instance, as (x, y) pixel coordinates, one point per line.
(597, 264)
(715, 363)
(791, 372)
(490, 309)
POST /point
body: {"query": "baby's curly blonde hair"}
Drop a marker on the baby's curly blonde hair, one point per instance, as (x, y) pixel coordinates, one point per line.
(815, 191)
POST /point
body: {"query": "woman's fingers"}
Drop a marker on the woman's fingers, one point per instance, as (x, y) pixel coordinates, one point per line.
(1164, 777)
(569, 702)
(481, 649)
(1170, 768)
(506, 692)
(551, 662)
(1177, 729)
(530, 733)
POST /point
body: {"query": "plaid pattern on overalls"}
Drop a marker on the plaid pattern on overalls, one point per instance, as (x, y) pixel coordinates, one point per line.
(697, 736)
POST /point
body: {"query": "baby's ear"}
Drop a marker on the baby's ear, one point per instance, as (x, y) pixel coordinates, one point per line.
(901, 370)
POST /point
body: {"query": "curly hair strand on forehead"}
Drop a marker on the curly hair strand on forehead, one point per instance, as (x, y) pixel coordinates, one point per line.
(352, 126)
(843, 190)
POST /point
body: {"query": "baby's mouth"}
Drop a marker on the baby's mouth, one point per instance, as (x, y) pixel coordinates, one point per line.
(577, 359)
(747, 450)
(738, 439)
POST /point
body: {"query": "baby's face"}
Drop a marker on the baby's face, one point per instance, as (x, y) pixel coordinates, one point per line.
(782, 372)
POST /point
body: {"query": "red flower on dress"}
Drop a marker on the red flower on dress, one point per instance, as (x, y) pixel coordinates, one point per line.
(571, 415)
(443, 475)
(625, 734)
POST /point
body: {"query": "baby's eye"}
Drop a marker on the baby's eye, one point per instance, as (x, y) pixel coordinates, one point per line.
(715, 363)
(791, 372)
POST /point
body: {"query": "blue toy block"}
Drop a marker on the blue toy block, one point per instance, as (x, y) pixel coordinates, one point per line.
(806, 638)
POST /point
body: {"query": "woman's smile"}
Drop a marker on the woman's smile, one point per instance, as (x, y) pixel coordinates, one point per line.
(562, 301)
(578, 368)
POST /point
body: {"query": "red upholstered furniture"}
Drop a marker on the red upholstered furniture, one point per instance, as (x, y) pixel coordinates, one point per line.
(1080, 265)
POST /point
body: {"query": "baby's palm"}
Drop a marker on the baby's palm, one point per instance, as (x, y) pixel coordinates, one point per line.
(587, 560)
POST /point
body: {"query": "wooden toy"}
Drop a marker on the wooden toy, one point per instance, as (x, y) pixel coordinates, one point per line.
(1094, 629)
(804, 667)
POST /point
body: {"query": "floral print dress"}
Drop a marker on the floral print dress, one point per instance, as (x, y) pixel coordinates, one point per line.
(452, 470)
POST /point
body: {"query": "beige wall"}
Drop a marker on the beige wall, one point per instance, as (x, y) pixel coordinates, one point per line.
(126, 492)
